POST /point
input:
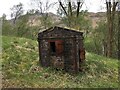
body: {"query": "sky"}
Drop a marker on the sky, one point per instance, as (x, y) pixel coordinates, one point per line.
(5, 5)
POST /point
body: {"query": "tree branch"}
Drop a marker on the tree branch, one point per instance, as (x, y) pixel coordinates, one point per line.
(63, 8)
(70, 8)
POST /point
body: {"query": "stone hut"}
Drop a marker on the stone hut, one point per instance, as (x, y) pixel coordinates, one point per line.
(61, 48)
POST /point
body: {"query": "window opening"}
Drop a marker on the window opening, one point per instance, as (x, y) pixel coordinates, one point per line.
(52, 47)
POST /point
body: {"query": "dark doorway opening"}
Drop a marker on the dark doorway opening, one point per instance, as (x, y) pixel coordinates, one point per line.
(79, 56)
(52, 47)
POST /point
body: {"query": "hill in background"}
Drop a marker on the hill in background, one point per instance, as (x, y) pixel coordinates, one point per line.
(34, 19)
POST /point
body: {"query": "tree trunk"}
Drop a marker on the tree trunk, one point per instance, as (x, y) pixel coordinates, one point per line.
(109, 28)
(104, 48)
(118, 35)
(111, 10)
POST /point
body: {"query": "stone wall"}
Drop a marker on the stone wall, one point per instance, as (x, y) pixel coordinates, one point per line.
(69, 60)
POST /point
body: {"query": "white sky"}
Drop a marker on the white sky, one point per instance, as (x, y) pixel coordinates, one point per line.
(5, 5)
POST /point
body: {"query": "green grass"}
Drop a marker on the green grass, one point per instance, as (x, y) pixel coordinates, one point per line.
(21, 68)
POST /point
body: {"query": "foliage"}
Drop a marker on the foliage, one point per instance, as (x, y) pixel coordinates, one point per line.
(21, 69)
(31, 12)
(6, 27)
(115, 37)
(81, 22)
(42, 9)
(20, 29)
(100, 38)
(17, 11)
(97, 39)
(46, 21)
(21, 26)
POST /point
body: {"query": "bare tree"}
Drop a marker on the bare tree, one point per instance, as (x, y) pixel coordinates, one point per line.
(71, 7)
(71, 10)
(43, 8)
(17, 11)
(111, 11)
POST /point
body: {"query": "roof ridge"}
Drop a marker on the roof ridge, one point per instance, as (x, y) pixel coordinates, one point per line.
(52, 28)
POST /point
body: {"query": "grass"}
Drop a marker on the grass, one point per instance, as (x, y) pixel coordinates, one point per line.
(21, 68)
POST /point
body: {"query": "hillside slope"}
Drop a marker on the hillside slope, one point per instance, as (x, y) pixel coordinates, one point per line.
(34, 19)
(21, 68)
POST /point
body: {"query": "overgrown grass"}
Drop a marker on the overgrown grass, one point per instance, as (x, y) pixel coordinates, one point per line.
(21, 68)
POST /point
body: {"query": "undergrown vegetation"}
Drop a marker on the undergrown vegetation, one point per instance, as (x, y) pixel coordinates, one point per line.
(20, 58)
(21, 68)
